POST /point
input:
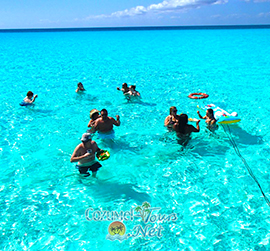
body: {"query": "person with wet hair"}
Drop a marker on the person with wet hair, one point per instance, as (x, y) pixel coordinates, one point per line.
(209, 119)
(124, 89)
(171, 119)
(182, 127)
(80, 88)
(133, 92)
(29, 99)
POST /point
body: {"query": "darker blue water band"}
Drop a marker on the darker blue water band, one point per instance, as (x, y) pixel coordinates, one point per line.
(142, 28)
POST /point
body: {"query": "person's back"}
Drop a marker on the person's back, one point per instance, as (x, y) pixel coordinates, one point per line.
(29, 99)
(182, 127)
(80, 88)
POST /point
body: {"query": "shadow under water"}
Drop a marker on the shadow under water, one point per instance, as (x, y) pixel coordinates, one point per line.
(111, 191)
(243, 137)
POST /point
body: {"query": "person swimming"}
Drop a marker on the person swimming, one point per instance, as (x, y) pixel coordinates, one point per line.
(209, 119)
(29, 99)
(80, 88)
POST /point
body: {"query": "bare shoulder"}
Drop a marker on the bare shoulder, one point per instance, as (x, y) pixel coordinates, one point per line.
(97, 121)
(78, 148)
(94, 144)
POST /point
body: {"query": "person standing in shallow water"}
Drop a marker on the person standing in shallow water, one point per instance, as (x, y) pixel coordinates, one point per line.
(80, 88)
(183, 129)
(29, 99)
(94, 115)
(133, 92)
(124, 88)
(105, 124)
(84, 154)
(171, 119)
(209, 119)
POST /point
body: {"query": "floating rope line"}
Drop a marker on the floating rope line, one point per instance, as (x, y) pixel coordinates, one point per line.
(244, 161)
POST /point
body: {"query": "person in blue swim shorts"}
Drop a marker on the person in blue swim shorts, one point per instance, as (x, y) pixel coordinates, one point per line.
(105, 124)
(84, 155)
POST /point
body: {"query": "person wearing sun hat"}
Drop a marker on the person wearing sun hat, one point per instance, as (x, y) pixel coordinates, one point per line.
(84, 155)
(94, 114)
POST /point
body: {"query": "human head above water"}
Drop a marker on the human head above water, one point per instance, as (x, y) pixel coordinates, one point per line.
(183, 119)
(80, 86)
(86, 137)
(94, 113)
(104, 113)
(182, 123)
(210, 112)
(30, 94)
(173, 110)
(133, 87)
(124, 85)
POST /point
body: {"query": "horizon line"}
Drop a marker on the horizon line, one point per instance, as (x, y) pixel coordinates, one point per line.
(126, 28)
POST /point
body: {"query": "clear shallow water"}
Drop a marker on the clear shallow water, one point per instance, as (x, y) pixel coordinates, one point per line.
(219, 206)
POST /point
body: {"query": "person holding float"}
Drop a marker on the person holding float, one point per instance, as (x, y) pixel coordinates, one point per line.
(222, 116)
(84, 155)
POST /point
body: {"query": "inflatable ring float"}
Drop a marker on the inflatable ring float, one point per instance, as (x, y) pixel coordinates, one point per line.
(198, 95)
(103, 155)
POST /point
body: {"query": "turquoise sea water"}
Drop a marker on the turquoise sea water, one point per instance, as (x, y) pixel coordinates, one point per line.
(218, 205)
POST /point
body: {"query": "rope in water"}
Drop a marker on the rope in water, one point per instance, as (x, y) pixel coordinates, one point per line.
(244, 161)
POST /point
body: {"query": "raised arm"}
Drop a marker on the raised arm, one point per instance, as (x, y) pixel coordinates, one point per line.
(117, 121)
(200, 116)
(168, 120)
(34, 98)
(197, 129)
(191, 128)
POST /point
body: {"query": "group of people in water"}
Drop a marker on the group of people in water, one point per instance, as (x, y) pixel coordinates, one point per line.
(129, 91)
(85, 153)
(179, 123)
